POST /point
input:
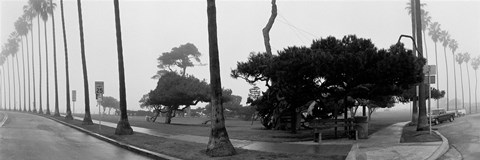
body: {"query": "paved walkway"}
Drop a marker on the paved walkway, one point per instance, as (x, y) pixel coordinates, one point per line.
(384, 144)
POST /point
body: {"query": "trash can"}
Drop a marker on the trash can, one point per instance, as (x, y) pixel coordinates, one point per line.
(361, 126)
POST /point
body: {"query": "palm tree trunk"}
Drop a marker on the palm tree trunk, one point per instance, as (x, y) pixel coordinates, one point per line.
(446, 66)
(219, 144)
(469, 90)
(33, 71)
(87, 120)
(415, 100)
(18, 84)
(40, 109)
(9, 91)
(123, 126)
(422, 110)
(28, 75)
(461, 82)
(4, 89)
(57, 112)
(14, 86)
(436, 63)
(476, 103)
(23, 64)
(46, 69)
(67, 79)
(455, 80)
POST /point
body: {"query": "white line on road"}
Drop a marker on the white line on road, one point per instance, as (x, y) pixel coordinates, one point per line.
(5, 117)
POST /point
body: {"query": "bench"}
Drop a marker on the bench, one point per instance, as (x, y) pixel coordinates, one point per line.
(321, 124)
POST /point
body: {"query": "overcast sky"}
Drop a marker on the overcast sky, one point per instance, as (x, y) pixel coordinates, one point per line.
(150, 28)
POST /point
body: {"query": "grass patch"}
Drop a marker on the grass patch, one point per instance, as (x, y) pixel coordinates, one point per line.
(188, 150)
(411, 135)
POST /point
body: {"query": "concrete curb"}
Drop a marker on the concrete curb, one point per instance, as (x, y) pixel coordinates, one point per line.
(440, 150)
(129, 147)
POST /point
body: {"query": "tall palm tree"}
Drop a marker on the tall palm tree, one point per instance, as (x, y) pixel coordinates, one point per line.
(52, 7)
(445, 39)
(12, 49)
(87, 120)
(426, 20)
(434, 32)
(453, 45)
(459, 59)
(69, 112)
(21, 26)
(30, 14)
(219, 144)
(44, 14)
(36, 6)
(466, 59)
(475, 63)
(123, 126)
(4, 88)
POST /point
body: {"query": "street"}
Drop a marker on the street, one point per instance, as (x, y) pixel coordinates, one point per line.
(26, 136)
(463, 134)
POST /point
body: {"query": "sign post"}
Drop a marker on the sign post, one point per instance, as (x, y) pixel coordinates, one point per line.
(74, 99)
(99, 90)
(430, 71)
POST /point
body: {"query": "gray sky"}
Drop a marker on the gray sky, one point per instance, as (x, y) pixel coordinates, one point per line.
(152, 27)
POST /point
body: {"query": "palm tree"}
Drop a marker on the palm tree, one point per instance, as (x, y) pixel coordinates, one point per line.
(123, 126)
(36, 6)
(459, 59)
(219, 144)
(52, 7)
(466, 59)
(29, 13)
(4, 88)
(21, 26)
(87, 120)
(445, 39)
(475, 63)
(434, 32)
(453, 45)
(426, 20)
(11, 48)
(69, 112)
(46, 9)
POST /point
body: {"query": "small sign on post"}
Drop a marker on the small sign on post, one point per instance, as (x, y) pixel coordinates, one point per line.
(74, 99)
(99, 90)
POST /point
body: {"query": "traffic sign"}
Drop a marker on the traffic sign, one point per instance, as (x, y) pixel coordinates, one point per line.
(74, 95)
(99, 90)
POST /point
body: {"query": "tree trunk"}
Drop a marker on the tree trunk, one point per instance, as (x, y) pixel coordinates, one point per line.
(24, 85)
(415, 108)
(446, 66)
(4, 89)
(268, 27)
(87, 120)
(422, 111)
(33, 71)
(461, 82)
(46, 69)
(40, 109)
(28, 75)
(469, 90)
(218, 144)
(437, 82)
(168, 117)
(67, 79)
(9, 91)
(476, 104)
(14, 86)
(57, 112)
(123, 127)
(455, 80)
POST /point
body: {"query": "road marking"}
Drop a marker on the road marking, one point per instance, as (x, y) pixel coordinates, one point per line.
(5, 117)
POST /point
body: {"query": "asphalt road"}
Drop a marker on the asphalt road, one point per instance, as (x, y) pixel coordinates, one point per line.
(25, 136)
(463, 134)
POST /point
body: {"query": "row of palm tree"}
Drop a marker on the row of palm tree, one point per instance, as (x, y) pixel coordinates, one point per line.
(44, 9)
(443, 36)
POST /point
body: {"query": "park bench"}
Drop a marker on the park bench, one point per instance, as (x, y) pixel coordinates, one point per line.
(322, 124)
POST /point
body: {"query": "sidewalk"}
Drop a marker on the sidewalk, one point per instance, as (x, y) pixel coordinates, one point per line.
(384, 144)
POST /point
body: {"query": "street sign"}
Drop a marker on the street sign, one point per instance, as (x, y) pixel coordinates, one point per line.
(74, 95)
(99, 90)
(430, 69)
(432, 80)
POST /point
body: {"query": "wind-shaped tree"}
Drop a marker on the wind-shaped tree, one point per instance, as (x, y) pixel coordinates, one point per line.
(453, 45)
(178, 57)
(434, 32)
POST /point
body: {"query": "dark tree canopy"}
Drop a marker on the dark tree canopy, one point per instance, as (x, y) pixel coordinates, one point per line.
(409, 95)
(332, 69)
(173, 89)
(180, 57)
